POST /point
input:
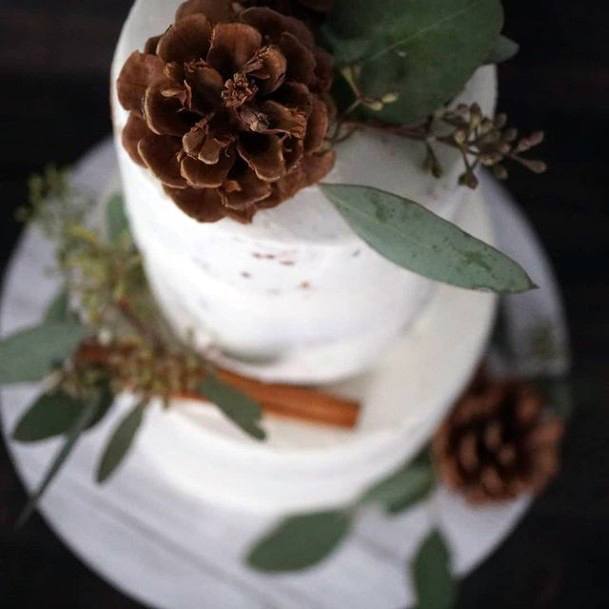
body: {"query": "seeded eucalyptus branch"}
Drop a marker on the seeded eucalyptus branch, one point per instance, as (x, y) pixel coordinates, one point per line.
(481, 140)
(117, 342)
(484, 141)
(397, 65)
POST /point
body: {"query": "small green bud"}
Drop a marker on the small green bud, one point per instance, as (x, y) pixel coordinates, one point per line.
(536, 166)
(500, 172)
(501, 120)
(390, 98)
(460, 136)
(376, 105)
(469, 179)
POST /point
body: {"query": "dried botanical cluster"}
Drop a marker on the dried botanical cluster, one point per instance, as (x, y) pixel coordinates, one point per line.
(133, 364)
(54, 205)
(482, 141)
(487, 142)
(498, 443)
(229, 109)
(103, 270)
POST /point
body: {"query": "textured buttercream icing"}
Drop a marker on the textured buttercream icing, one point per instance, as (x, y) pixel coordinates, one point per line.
(296, 296)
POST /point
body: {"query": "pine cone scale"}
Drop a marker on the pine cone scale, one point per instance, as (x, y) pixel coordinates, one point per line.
(317, 126)
(204, 175)
(139, 72)
(233, 45)
(135, 130)
(269, 67)
(274, 24)
(216, 11)
(244, 190)
(264, 155)
(204, 206)
(160, 154)
(206, 85)
(310, 11)
(281, 119)
(162, 111)
(188, 39)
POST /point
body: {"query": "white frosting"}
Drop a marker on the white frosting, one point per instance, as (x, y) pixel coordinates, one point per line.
(297, 291)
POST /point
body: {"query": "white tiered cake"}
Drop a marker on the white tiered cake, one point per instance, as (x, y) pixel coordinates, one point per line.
(297, 297)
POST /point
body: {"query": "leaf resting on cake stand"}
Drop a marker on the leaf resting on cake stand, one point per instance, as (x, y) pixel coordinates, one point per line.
(120, 443)
(300, 542)
(91, 411)
(431, 572)
(29, 355)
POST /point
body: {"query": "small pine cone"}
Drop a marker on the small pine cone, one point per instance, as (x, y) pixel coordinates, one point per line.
(498, 442)
(229, 109)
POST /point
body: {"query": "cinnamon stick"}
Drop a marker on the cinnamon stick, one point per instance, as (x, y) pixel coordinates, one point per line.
(287, 401)
(292, 401)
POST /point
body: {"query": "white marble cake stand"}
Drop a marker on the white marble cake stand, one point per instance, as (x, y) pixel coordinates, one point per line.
(172, 551)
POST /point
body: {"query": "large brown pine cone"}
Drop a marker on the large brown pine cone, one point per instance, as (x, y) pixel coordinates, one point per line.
(498, 443)
(229, 110)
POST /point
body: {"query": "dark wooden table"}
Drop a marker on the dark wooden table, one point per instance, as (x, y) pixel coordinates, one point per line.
(54, 61)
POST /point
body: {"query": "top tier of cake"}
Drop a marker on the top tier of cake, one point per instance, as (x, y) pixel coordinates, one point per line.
(296, 296)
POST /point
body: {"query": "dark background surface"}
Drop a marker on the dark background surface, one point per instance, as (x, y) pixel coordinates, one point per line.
(54, 62)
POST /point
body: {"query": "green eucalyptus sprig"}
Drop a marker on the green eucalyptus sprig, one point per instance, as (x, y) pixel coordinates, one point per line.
(398, 66)
(303, 541)
(100, 337)
(408, 58)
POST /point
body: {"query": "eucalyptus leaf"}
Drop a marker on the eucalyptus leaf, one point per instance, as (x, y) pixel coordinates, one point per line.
(121, 441)
(407, 486)
(58, 310)
(300, 542)
(503, 50)
(238, 407)
(53, 414)
(423, 52)
(29, 355)
(416, 239)
(347, 51)
(433, 581)
(117, 223)
(83, 421)
(105, 401)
